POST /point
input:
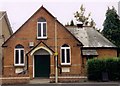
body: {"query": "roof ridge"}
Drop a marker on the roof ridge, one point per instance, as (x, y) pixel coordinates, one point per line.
(25, 23)
(30, 18)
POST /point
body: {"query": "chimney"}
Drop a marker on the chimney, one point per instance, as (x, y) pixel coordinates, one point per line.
(79, 24)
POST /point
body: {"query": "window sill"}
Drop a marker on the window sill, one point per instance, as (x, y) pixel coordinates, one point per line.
(65, 64)
(19, 65)
(41, 38)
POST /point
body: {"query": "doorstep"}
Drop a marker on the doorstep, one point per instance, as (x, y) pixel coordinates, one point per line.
(39, 81)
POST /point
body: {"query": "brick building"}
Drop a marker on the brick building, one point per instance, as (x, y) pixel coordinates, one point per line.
(32, 50)
(5, 33)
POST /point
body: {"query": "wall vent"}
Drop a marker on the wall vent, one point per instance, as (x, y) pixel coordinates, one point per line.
(31, 44)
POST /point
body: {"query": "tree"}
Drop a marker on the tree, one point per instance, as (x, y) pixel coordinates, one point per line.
(80, 17)
(71, 23)
(111, 26)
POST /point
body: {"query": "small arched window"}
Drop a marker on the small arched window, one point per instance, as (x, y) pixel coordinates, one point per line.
(19, 46)
(41, 28)
(65, 55)
(19, 55)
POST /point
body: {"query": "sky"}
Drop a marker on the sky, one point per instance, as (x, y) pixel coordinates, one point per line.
(19, 11)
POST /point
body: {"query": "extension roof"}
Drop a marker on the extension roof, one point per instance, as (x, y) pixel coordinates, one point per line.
(90, 37)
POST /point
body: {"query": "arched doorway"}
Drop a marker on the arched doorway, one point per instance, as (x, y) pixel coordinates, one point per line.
(41, 63)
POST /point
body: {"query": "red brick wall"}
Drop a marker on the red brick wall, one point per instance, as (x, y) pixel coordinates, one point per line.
(107, 53)
(28, 33)
(102, 53)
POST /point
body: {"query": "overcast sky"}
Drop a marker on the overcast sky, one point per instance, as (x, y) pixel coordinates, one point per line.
(20, 10)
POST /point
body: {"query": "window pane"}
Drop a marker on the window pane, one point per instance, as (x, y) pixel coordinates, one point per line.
(63, 56)
(22, 56)
(68, 55)
(16, 56)
(39, 29)
(44, 29)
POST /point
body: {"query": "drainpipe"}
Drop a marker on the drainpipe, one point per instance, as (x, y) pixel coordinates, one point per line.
(56, 53)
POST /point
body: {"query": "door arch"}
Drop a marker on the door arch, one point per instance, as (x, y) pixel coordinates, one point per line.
(41, 63)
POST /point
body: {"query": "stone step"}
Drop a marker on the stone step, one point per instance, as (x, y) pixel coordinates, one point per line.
(39, 81)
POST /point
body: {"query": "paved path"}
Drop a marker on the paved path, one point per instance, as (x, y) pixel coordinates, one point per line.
(73, 84)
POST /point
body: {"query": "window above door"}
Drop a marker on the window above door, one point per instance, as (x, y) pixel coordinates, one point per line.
(41, 28)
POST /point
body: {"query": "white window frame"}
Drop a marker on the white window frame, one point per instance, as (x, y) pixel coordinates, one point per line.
(41, 37)
(19, 64)
(65, 49)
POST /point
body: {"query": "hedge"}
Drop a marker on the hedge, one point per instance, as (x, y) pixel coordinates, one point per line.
(96, 68)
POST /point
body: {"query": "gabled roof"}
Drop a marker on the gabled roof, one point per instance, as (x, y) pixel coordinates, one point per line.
(41, 42)
(32, 16)
(90, 37)
(4, 15)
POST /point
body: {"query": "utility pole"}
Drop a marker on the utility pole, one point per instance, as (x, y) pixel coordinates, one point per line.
(56, 53)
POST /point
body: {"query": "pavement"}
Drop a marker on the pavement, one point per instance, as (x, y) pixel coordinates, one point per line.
(72, 84)
(45, 82)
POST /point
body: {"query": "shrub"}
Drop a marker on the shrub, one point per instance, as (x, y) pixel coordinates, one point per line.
(95, 68)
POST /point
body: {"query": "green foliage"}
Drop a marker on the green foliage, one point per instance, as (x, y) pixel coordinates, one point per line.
(80, 17)
(96, 67)
(111, 25)
(113, 66)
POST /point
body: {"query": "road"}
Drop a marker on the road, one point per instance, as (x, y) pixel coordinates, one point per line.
(73, 84)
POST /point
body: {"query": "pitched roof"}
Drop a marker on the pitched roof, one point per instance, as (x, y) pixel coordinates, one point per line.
(4, 15)
(90, 37)
(38, 45)
(32, 16)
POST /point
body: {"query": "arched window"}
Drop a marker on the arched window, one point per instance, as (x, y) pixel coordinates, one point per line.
(65, 55)
(19, 55)
(41, 28)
